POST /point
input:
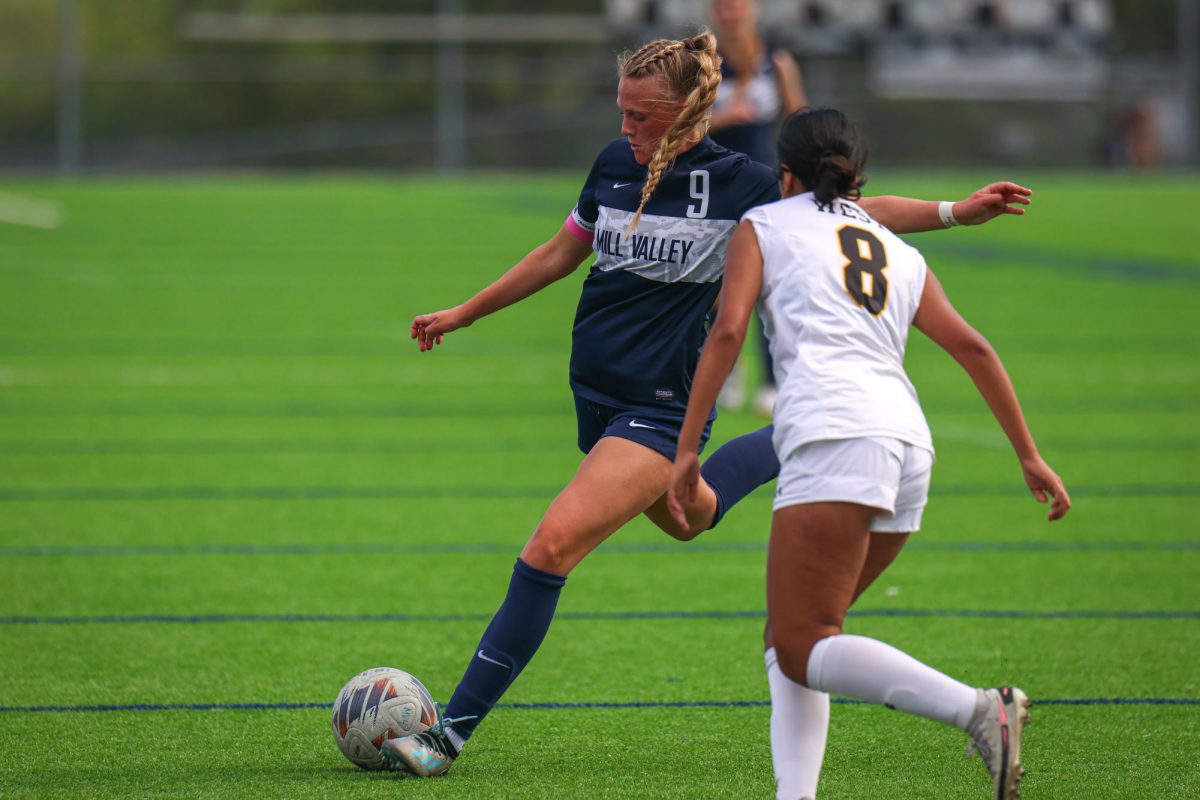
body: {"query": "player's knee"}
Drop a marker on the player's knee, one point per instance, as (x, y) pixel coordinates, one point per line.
(793, 660)
(793, 651)
(550, 550)
(700, 517)
(662, 517)
(675, 531)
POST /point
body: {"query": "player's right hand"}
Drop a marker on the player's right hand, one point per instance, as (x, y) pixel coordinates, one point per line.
(683, 486)
(1046, 485)
(1001, 197)
(431, 329)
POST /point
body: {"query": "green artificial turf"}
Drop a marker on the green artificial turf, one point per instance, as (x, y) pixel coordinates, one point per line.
(228, 482)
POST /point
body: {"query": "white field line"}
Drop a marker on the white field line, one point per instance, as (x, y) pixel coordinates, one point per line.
(28, 211)
(991, 437)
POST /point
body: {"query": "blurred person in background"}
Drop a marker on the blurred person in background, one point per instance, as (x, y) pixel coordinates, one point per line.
(1132, 139)
(761, 84)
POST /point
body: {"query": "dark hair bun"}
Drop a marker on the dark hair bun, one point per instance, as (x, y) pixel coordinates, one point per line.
(834, 176)
(822, 148)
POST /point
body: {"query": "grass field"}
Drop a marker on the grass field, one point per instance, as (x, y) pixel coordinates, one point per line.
(228, 482)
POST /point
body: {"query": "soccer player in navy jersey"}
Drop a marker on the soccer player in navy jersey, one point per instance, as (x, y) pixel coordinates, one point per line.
(657, 210)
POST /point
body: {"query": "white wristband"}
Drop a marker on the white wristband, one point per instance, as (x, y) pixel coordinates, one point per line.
(946, 212)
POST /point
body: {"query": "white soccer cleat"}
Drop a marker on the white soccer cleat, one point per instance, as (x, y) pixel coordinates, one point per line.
(996, 737)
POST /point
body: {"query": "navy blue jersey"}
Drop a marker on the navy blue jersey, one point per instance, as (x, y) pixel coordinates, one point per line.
(641, 318)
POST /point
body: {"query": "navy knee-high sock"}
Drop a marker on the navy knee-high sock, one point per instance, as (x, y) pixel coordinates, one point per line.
(508, 644)
(739, 467)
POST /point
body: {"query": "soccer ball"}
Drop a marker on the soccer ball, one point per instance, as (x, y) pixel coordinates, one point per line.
(377, 705)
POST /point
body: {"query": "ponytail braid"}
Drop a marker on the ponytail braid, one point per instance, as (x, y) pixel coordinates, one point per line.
(691, 70)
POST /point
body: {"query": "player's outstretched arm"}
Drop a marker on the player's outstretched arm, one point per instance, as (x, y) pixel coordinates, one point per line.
(544, 265)
(739, 293)
(907, 215)
(938, 320)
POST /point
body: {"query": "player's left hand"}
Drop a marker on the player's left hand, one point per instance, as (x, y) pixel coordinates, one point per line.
(1045, 485)
(683, 486)
(1002, 197)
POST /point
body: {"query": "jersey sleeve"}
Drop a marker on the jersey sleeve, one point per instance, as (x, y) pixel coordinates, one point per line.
(582, 222)
(760, 223)
(756, 217)
(765, 189)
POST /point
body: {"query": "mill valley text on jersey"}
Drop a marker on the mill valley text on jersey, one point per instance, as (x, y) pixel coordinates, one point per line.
(643, 248)
(640, 322)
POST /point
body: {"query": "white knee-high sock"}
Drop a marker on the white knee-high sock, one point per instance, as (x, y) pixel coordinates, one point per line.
(799, 726)
(867, 669)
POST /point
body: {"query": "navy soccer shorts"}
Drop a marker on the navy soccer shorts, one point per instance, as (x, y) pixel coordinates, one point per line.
(648, 427)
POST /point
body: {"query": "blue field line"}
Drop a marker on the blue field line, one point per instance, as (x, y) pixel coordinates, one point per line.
(318, 409)
(650, 704)
(439, 492)
(845, 701)
(609, 548)
(526, 444)
(217, 619)
(540, 408)
(383, 347)
(263, 346)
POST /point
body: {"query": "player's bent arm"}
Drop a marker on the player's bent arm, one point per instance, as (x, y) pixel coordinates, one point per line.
(544, 265)
(908, 215)
(739, 293)
(939, 320)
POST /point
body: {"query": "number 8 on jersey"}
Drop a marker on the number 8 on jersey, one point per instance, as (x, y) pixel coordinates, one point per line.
(865, 262)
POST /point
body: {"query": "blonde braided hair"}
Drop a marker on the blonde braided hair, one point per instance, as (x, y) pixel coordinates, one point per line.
(691, 71)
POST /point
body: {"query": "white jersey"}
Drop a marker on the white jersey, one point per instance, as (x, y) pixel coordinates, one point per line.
(839, 294)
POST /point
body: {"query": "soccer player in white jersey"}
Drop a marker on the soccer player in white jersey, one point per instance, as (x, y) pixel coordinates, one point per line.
(656, 210)
(838, 293)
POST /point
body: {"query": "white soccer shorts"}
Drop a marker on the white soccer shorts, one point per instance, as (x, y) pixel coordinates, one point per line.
(883, 473)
